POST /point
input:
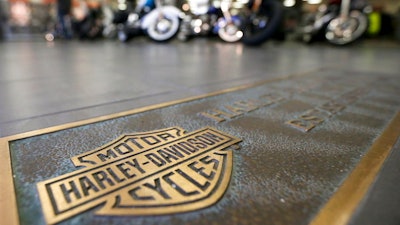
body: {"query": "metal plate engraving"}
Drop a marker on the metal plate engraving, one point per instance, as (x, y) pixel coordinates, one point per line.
(153, 173)
(303, 138)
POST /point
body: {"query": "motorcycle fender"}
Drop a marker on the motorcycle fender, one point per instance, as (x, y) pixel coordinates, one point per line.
(152, 16)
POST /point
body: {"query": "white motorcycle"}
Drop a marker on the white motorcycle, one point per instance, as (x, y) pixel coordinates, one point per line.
(160, 22)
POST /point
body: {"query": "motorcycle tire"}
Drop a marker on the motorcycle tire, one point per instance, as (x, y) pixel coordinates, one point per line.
(264, 23)
(164, 29)
(344, 32)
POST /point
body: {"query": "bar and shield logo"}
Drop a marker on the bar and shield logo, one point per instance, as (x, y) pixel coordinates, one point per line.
(152, 173)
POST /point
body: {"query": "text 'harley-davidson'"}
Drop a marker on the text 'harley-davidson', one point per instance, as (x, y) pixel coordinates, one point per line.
(252, 22)
(160, 22)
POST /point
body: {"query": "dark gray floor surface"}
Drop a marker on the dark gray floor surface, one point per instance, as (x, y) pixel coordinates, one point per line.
(43, 85)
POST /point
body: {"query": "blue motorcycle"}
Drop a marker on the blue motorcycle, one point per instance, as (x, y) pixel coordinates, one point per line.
(160, 22)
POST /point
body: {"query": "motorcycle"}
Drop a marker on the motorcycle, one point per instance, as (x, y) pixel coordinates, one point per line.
(200, 19)
(252, 22)
(341, 22)
(160, 22)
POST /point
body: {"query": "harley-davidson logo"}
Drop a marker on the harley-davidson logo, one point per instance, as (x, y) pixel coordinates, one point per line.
(160, 172)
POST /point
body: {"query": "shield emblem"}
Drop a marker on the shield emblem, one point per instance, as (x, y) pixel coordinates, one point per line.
(160, 172)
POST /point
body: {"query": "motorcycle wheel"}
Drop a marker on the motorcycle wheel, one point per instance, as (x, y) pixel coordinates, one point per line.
(164, 28)
(262, 25)
(345, 31)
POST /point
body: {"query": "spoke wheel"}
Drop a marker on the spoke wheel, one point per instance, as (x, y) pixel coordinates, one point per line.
(164, 28)
(343, 31)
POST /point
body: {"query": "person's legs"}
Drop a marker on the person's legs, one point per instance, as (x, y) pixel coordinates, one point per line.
(65, 28)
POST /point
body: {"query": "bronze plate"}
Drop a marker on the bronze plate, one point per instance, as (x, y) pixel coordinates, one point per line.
(301, 137)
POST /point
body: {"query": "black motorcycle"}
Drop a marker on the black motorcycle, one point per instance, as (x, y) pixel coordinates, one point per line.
(261, 20)
(252, 23)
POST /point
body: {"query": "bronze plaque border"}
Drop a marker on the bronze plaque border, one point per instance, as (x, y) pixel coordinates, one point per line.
(337, 211)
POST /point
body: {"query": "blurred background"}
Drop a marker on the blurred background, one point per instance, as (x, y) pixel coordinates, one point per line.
(32, 19)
